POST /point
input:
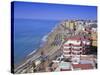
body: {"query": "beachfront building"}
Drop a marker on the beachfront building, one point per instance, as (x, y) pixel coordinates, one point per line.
(79, 26)
(92, 32)
(74, 47)
(72, 25)
(94, 36)
(69, 24)
(82, 66)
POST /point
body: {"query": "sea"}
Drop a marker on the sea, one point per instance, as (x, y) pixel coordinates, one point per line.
(29, 35)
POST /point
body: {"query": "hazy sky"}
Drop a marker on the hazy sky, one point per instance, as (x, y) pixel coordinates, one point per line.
(30, 10)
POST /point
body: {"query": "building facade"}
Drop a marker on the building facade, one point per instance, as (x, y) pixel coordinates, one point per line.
(74, 47)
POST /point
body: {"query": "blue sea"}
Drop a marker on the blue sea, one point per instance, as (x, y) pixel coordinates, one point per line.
(28, 36)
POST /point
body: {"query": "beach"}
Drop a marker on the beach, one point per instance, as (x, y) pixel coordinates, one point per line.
(52, 47)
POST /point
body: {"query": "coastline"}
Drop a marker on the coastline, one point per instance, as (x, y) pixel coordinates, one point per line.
(50, 46)
(35, 53)
(46, 46)
(44, 40)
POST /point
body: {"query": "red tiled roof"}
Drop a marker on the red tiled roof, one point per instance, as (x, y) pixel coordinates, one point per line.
(73, 38)
(78, 37)
(83, 66)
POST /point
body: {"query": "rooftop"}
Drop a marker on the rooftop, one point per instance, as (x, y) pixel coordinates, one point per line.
(82, 66)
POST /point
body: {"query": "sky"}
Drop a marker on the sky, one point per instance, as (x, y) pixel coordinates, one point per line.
(31, 10)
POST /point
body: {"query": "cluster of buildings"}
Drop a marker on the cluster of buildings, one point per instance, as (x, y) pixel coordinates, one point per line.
(75, 40)
(87, 28)
(75, 48)
(84, 36)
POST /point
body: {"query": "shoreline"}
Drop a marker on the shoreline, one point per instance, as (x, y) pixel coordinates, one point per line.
(50, 47)
(44, 40)
(36, 51)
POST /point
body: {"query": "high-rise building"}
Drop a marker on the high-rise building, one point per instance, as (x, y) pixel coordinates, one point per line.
(74, 47)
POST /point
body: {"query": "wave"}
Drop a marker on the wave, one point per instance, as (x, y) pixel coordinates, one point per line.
(32, 52)
(44, 39)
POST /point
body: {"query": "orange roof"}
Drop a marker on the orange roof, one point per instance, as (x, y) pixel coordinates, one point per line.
(78, 37)
(83, 66)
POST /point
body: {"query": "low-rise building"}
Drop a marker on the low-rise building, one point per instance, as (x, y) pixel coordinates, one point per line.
(82, 66)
